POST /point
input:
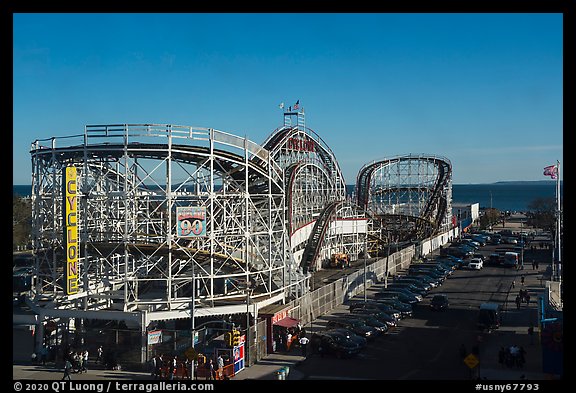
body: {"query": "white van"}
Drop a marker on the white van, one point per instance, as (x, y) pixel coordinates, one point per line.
(510, 259)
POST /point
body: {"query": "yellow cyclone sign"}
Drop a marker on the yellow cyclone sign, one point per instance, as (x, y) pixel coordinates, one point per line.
(71, 230)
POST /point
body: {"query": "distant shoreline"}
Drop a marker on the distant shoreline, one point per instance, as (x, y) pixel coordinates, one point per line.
(503, 182)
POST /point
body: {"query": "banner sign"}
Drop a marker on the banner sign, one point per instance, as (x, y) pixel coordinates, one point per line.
(154, 337)
(238, 353)
(191, 221)
(71, 229)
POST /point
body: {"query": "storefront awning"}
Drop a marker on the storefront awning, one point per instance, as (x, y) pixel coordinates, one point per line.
(287, 322)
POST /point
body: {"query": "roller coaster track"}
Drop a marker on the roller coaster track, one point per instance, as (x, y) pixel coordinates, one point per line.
(257, 176)
(317, 236)
(435, 208)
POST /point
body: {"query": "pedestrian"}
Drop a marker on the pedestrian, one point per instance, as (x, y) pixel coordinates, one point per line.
(304, 345)
(172, 363)
(518, 302)
(513, 284)
(212, 370)
(537, 265)
(527, 297)
(522, 279)
(153, 367)
(533, 265)
(85, 360)
(100, 352)
(67, 370)
(185, 365)
(159, 364)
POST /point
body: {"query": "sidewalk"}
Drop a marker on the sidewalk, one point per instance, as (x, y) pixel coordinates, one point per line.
(267, 367)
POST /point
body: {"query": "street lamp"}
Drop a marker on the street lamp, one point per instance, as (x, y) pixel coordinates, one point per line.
(249, 292)
(365, 256)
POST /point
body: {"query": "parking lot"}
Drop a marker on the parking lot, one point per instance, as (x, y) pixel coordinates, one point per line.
(426, 345)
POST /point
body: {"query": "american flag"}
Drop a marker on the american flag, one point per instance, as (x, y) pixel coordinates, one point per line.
(550, 171)
(296, 105)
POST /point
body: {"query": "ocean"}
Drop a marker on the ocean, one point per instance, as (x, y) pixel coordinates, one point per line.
(512, 196)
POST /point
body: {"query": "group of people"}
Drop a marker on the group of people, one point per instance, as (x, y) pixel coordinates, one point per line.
(75, 362)
(215, 368)
(512, 356)
(287, 338)
(523, 296)
(170, 367)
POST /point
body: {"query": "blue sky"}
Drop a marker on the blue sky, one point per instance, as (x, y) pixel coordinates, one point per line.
(481, 89)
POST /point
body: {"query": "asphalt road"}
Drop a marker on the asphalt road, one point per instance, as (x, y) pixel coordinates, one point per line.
(425, 346)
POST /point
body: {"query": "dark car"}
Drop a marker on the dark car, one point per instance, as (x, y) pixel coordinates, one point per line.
(357, 326)
(350, 335)
(333, 343)
(433, 281)
(418, 283)
(409, 286)
(454, 259)
(404, 308)
(371, 320)
(375, 319)
(430, 270)
(374, 307)
(439, 302)
(399, 294)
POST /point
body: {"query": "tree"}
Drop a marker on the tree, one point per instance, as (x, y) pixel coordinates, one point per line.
(490, 217)
(542, 213)
(21, 221)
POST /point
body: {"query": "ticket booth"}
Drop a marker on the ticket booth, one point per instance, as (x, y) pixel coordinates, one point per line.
(278, 321)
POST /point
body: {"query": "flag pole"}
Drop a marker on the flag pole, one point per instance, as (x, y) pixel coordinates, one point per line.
(558, 225)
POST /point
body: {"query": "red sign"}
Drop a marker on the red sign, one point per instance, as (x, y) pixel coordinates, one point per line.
(300, 144)
(279, 315)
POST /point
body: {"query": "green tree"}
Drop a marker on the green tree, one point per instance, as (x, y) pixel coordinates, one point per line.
(21, 221)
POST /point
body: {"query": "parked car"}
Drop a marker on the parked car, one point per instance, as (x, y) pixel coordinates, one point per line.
(475, 264)
(404, 308)
(350, 335)
(439, 302)
(375, 306)
(455, 259)
(333, 343)
(382, 322)
(418, 283)
(357, 326)
(404, 296)
(494, 260)
(409, 286)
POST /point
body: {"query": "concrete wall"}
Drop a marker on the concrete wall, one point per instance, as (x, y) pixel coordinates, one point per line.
(324, 299)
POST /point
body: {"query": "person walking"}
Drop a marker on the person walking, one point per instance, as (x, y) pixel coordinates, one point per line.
(527, 297)
(84, 356)
(220, 364)
(518, 302)
(304, 345)
(99, 359)
(522, 279)
(67, 370)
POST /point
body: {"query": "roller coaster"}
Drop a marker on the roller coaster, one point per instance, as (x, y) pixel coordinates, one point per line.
(170, 221)
(409, 197)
